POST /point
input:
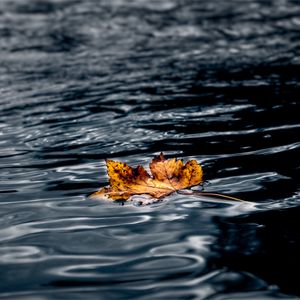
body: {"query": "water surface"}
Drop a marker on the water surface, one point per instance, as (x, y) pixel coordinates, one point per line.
(215, 81)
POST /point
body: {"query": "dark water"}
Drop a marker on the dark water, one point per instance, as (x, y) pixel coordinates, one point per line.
(217, 81)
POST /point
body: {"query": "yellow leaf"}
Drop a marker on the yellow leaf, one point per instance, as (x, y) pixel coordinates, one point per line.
(168, 176)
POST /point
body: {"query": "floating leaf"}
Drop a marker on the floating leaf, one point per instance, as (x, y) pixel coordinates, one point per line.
(167, 176)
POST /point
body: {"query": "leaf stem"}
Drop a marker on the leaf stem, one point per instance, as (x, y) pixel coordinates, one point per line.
(213, 195)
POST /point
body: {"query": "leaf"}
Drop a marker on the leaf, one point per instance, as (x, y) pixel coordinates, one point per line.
(167, 176)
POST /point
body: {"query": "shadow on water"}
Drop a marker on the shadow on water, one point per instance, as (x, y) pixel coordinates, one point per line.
(264, 244)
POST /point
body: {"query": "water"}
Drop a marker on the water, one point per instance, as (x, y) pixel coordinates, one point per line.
(216, 81)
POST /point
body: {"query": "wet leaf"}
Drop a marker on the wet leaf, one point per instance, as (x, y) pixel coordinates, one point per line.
(167, 176)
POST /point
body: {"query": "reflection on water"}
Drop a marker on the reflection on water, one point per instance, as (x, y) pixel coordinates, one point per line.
(82, 81)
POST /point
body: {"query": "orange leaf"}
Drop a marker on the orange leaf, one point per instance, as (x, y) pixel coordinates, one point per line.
(168, 176)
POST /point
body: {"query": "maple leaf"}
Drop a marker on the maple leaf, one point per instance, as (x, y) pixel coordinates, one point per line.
(167, 176)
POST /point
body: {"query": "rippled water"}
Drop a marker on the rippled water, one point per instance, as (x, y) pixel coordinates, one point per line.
(81, 81)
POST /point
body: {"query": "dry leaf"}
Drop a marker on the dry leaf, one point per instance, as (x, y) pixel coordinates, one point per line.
(168, 176)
